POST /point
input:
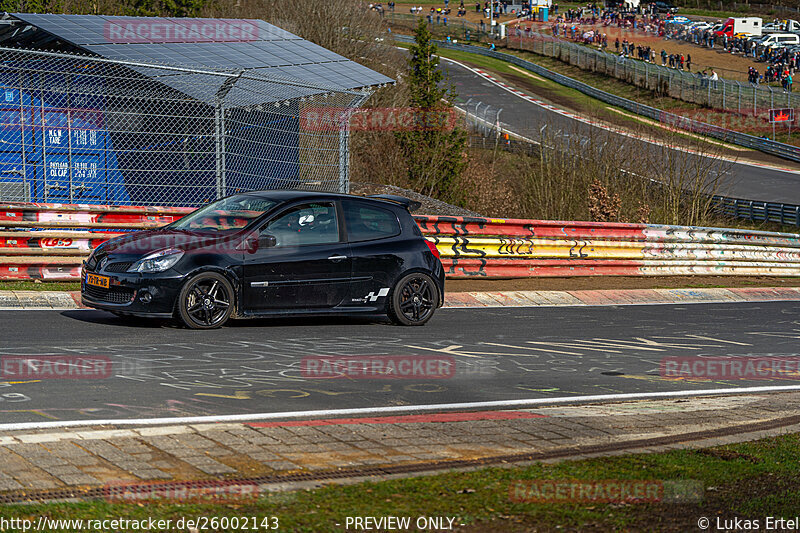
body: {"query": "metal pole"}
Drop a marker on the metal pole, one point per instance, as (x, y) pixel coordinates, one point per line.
(218, 148)
(223, 135)
(22, 130)
(219, 132)
(740, 97)
(344, 155)
(70, 165)
(723, 94)
(44, 138)
(491, 18)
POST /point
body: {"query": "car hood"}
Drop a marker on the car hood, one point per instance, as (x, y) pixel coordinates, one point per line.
(144, 242)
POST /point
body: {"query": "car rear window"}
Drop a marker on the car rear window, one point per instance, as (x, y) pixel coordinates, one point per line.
(365, 223)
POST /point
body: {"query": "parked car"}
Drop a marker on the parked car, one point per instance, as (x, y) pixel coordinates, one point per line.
(272, 253)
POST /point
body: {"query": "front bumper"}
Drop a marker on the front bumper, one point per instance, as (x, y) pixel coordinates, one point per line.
(134, 293)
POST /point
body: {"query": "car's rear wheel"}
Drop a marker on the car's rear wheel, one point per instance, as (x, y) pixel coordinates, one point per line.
(414, 299)
(206, 301)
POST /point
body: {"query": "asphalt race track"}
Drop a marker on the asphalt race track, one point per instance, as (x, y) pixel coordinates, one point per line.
(526, 118)
(160, 370)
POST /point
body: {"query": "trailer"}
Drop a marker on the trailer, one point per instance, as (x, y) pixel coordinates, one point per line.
(747, 25)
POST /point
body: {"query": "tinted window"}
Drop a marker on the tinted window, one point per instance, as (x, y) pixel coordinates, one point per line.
(231, 213)
(313, 223)
(365, 223)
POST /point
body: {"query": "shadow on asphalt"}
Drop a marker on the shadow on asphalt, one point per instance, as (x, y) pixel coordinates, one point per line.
(104, 318)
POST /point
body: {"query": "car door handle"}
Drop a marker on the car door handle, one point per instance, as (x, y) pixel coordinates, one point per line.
(337, 257)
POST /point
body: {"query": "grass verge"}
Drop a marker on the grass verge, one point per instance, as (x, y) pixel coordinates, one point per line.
(749, 480)
(40, 286)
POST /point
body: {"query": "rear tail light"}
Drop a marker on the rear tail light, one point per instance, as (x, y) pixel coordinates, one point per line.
(434, 250)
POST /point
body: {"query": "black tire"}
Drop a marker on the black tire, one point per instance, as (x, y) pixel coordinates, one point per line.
(414, 299)
(205, 301)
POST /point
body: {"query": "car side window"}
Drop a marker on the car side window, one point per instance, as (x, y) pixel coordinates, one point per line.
(313, 223)
(366, 223)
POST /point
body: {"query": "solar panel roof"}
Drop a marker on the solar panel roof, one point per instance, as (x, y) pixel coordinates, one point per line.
(255, 45)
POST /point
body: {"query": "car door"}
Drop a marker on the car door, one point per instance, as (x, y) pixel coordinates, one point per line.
(307, 268)
(375, 239)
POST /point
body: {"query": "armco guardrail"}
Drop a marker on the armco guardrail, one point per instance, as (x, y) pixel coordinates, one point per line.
(785, 151)
(41, 241)
(491, 248)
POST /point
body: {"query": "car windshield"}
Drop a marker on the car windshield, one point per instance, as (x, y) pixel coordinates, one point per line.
(228, 214)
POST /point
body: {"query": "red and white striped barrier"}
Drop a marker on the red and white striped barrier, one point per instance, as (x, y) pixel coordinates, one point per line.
(50, 241)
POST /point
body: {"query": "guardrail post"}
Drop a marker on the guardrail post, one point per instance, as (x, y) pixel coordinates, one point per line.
(797, 215)
(723, 94)
(740, 96)
(752, 218)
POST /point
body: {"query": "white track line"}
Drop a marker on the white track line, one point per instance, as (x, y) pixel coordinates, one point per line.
(516, 92)
(334, 413)
(615, 304)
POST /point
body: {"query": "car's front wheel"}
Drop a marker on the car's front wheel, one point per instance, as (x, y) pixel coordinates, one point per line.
(414, 299)
(206, 301)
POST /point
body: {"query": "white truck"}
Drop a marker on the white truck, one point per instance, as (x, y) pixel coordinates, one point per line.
(782, 26)
(747, 25)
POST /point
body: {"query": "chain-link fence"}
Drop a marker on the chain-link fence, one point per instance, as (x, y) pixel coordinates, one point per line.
(81, 129)
(481, 118)
(733, 96)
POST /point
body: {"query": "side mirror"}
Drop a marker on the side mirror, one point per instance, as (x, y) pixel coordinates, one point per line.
(265, 240)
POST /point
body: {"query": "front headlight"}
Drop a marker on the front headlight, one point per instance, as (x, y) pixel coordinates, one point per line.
(157, 261)
(99, 247)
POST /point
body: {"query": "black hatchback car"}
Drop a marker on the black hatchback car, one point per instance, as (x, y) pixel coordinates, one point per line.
(272, 253)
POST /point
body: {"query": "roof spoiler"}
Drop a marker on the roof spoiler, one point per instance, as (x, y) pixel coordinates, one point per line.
(410, 205)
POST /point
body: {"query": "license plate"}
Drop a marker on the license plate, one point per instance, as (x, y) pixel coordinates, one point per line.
(97, 281)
